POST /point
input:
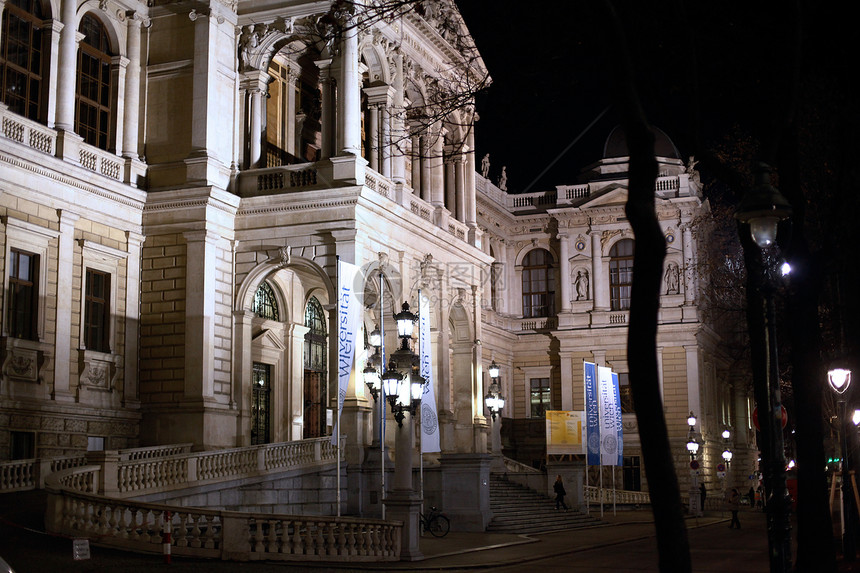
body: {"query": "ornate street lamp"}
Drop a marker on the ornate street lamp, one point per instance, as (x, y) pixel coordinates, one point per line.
(405, 325)
(494, 399)
(840, 380)
(693, 449)
(392, 380)
(760, 211)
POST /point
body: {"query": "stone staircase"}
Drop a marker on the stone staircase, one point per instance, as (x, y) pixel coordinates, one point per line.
(519, 509)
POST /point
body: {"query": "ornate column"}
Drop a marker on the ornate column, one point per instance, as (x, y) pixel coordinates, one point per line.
(372, 130)
(599, 281)
(426, 180)
(564, 250)
(132, 88)
(378, 98)
(471, 219)
(348, 88)
(55, 32)
(450, 189)
(385, 147)
(118, 78)
(326, 128)
(437, 167)
(460, 187)
(254, 84)
(63, 335)
(416, 163)
(67, 67)
(397, 149)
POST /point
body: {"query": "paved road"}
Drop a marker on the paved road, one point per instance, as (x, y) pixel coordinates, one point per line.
(626, 543)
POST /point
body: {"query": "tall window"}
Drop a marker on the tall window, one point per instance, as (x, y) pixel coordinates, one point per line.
(23, 294)
(93, 94)
(632, 473)
(620, 274)
(625, 393)
(97, 311)
(265, 304)
(261, 388)
(23, 65)
(540, 397)
(538, 284)
(316, 351)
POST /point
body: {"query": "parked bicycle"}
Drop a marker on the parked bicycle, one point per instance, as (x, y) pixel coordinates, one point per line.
(436, 522)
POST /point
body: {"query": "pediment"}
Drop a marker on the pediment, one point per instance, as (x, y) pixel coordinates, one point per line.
(268, 339)
(610, 196)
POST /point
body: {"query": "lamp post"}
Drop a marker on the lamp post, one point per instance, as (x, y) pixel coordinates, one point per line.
(495, 403)
(693, 449)
(759, 214)
(403, 390)
(727, 458)
(840, 380)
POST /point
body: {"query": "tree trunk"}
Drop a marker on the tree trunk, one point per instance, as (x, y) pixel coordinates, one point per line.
(672, 544)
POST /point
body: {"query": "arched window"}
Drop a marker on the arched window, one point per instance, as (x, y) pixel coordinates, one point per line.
(620, 274)
(94, 90)
(23, 61)
(265, 305)
(316, 352)
(538, 284)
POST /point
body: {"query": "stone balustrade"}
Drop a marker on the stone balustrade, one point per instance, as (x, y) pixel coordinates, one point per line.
(155, 451)
(595, 494)
(36, 136)
(115, 520)
(135, 476)
(138, 526)
(19, 475)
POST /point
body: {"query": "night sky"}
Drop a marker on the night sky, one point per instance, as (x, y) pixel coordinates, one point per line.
(702, 69)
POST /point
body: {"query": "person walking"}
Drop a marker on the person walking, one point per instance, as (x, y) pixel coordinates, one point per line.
(703, 493)
(558, 488)
(733, 500)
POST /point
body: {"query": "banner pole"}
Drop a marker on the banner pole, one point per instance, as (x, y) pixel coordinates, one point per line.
(601, 484)
(382, 392)
(420, 432)
(337, 425)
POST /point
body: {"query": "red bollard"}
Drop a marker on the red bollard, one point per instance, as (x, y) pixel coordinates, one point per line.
(165, 538)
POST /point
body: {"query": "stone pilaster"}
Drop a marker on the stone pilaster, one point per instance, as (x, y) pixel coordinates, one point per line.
(200, 314)
(63, 340)
(131, 388)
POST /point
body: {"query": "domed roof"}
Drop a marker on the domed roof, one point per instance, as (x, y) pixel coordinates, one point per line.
(616, 144)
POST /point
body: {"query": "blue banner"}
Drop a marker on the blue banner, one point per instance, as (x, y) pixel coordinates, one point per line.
(592, 415)
(619, 426)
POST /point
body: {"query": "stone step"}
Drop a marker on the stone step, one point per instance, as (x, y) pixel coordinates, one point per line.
(518, 509)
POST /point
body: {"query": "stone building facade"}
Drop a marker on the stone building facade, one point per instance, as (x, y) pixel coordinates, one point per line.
(563, 260)
(179, 180)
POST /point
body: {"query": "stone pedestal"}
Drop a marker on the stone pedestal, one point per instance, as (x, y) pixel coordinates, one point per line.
(573, 475)
(405, 506)
(466, 491)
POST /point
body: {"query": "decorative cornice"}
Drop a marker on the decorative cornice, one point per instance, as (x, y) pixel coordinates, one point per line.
(71, 182)
(246, 212)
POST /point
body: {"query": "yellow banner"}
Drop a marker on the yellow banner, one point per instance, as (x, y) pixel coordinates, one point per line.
(564, 432)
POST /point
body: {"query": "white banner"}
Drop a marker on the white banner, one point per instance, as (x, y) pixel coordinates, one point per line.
(348, 329)
(429, 417)
(609, 417)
